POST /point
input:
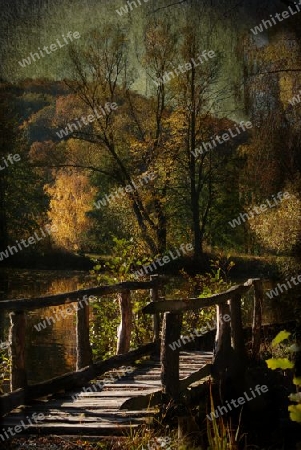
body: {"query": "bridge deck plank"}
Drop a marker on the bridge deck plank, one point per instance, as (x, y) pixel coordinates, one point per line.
(99, 412)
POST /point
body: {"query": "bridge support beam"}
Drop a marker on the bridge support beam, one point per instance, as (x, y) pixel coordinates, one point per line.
(17, 338)
(125, 327)
(257, 317)
(171, 332)
(83, 348)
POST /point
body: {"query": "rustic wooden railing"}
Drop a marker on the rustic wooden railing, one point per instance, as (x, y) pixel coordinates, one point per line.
(230, 353)
(86, 370)
(230, 356)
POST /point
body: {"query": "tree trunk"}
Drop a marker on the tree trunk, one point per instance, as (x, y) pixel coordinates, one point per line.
(3, 221)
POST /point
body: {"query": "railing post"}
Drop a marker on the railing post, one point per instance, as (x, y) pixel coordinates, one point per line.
(125, 327)
(237, 333)
(239, 360)
(171, 332)
(154, 297)
(223, 349)
(257, 317)
(17, 336)
(83, 348)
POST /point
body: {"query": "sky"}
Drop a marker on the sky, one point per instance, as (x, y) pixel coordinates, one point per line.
(28, 25)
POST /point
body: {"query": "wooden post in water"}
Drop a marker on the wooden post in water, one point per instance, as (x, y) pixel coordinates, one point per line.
(17, 334)
(125, 327)
(171, 332)
(257, 317)
(83, 348)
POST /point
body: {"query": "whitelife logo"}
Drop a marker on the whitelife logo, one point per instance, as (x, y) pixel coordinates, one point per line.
(221, 410)
(9, 160)
(259, 209)
(125, 9)
(99, 385)
(185, 67)
(287, 285)
(63, 313)
(22, 426)
(122, 191)
(207, 146)
(53, 48)
(272, 21)
(72, 127)
(164, 260)
(25, 243)
(295, 100)
(198, 333)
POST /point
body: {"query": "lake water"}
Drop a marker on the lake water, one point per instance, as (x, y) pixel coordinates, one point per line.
(52, 351)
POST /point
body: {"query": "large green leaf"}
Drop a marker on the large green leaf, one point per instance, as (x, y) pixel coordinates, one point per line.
(297, 381)
(279, 363)
(281, 336)
(295, 413)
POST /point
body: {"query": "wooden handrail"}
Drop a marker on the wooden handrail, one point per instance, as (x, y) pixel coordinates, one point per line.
(17, 311)
(193, 304)
(23, 304)
(230, 355)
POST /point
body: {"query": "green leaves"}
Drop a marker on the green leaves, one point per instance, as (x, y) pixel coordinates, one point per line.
(279, 363)
(297, 381)
(281, 336)
(295, 413)
(285, 363)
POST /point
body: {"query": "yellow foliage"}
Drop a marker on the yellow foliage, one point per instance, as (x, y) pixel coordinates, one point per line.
(71, 198)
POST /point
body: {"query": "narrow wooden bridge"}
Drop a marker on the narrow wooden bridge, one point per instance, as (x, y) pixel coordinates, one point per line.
(127, 390)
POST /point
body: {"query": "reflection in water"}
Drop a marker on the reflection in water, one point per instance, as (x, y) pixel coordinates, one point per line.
(50, 351)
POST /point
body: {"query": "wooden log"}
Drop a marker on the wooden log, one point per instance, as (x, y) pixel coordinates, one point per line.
(239, 357)
(193, 304)
(83, 348)
(154, 295)
(71, 380)
(171, 331)
(17, 340)
(24, 304)
(237, 334)
(257, 317)
(195, 376)
(223, 351)
(125, 327)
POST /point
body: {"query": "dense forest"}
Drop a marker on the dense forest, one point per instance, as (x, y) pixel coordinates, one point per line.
(130, 145)
(157, 136)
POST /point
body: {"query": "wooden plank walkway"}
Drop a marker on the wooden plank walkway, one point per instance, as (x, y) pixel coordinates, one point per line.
(111, 410)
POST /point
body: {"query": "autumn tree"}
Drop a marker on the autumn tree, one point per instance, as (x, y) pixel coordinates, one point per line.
(71, 199)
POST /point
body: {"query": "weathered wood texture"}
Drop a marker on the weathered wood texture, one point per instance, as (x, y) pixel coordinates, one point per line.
(70, 297)
(193, 304)
(106, 408)
(71, 380)
(172, 325)
(17, 333)
(83, 348)
(125, 327)
(257, 317)
(223, 348)
(154, 296)
(237, 334)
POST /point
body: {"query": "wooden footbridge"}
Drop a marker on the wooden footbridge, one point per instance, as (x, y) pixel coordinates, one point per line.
(133, 387)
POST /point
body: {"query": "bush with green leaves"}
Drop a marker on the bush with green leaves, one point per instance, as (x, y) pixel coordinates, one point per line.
(103, 331)
(281, 361)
